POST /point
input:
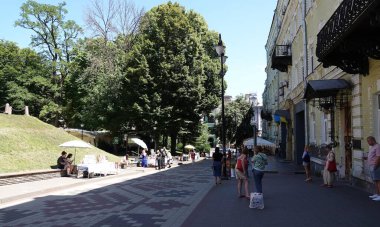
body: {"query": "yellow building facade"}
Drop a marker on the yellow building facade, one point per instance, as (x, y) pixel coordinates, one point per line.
(329, 83)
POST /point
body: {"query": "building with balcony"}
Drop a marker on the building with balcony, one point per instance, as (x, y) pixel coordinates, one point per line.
(328, 82)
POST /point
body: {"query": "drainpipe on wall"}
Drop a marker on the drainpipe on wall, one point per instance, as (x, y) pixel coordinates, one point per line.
(305, 69)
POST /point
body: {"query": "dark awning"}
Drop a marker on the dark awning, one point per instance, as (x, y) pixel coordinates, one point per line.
(283, 113)
(324, 88)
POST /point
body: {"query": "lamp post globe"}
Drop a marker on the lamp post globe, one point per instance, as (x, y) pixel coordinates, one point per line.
(220, 49)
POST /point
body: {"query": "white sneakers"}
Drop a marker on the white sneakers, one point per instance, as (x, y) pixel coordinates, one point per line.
(375, 197)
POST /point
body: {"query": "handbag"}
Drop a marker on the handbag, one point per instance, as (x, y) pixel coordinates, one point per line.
(331, 166)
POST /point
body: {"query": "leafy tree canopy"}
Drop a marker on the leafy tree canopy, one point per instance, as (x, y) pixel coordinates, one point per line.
(24, 80)
(235, 112)
(54, 37)
(173, 70)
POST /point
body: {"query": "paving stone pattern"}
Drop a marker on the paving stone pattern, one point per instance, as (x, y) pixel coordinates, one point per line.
(165, 198)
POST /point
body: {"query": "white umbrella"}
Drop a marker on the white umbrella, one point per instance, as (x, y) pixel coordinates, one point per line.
(140, 143)
(260, 142)
(189, 146)
(75, 144)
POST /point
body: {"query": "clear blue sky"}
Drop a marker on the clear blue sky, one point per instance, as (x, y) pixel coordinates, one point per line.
(244, 25)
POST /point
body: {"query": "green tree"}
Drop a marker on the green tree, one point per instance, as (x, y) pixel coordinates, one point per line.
(234, 113)
(202, 144)
(24, 80)
(55, 37)
(245, 129)
(95, 86)
(171, 72)
(96, 96)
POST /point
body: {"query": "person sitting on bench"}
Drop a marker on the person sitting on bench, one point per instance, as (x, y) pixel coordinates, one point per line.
(62, 165)
(124, 161)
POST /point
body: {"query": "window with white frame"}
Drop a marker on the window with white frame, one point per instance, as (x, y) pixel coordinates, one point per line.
(312, 128)
(325, 128)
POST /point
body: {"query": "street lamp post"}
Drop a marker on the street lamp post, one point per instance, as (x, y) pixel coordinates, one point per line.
(154, 136)
(220, 49)
(257, 123)
(254, 125)
(81, 126)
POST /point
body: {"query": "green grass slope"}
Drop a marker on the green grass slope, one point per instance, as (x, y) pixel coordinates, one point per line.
(28, 144)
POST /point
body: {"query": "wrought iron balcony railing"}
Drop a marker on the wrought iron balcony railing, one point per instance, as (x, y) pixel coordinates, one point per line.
(343, 19)
(282, 57)
(350, 36)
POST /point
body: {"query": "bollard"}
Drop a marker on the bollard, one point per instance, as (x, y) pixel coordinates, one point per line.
(27, 110)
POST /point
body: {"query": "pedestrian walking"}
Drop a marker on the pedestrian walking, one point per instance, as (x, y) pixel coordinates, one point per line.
(330, 169)
(306, 163)
(233, 165)
(374, 165)
(163, 158)
(192, 156)
(144, 159)
(169, 157)
(158, 160)
(217, 165)
(259, 161)
(241, 174)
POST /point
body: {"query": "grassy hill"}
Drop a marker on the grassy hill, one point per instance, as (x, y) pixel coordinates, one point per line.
(28, 144)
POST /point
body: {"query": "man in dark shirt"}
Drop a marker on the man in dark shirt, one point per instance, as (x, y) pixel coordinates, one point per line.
(61, 163)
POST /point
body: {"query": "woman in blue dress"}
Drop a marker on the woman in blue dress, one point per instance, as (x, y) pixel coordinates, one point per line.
(144, 158)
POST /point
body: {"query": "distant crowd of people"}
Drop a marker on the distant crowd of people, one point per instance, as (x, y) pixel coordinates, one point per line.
(162, 159)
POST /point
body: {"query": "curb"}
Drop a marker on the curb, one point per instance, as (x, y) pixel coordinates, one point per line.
(75, 184)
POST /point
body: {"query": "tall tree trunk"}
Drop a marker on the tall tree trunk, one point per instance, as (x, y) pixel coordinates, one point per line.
(173, 142)
(165, 141)
(184, 141)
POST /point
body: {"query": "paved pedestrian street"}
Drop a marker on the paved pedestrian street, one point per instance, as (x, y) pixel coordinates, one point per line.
(187, 196)
(289, 201)
(164, 198)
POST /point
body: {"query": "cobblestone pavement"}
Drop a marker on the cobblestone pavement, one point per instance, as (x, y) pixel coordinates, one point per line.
(187, 196)
(164, 198)
(289, 201)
